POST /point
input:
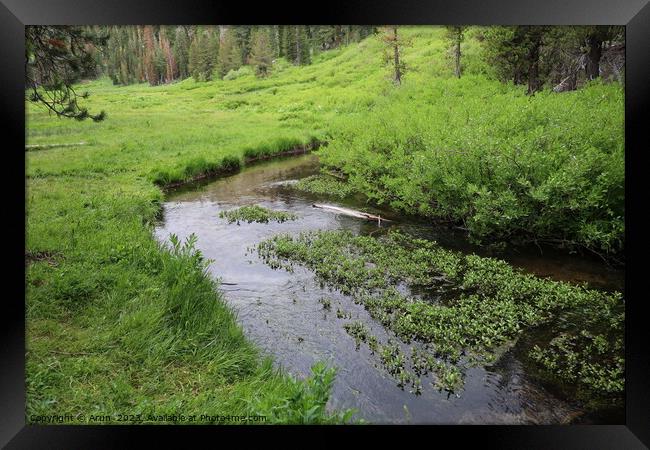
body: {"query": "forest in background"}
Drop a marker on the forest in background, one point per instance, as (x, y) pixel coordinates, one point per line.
(558, 57)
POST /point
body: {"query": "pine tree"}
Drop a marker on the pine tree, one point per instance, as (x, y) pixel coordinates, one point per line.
(182, 51)
(229, 53)
(202, 55)
(149, 55)
(297, 45)
(393, 52)
(56, 57)
(302, 47)
(515, 52)
(290, 43)
(261, 52)
(456, 35)
(274, 41)
(282, 41)
(243, 40)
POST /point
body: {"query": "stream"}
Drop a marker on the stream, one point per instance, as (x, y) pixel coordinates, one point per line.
(281, 313)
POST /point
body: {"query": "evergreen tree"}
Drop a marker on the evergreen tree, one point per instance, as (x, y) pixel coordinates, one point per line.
(261, 52)
(274, 41)
(394, 45)
(297, 45)
(202, 55)
(243, 40)
(515, 54)
(282, 41)
(290, 43)
(455, 34)
(229, 53)
(56, 57)
(303, 53)
(593, 39)
(182, 51)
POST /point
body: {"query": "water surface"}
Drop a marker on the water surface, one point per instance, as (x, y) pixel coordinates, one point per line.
(280, 311)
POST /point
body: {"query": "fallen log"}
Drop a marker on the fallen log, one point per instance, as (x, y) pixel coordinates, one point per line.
(44, 146)
(352, 213)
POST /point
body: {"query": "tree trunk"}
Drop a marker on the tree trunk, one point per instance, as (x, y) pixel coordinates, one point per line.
(149, 70)
(457, 54)
(298, 47)
(593, 61)
(534, 83)
(351, 213)
(398, 74)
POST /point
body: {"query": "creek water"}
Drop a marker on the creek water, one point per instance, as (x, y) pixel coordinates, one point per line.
(281, 312)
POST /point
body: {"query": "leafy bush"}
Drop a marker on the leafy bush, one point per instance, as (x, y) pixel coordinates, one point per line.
(307, 404)
(547, 168)
(241, 72)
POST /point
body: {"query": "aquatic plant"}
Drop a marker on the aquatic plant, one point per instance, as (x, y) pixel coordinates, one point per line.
(326, 302)
(358, 331)
(256, 213)
(341, 314)
(490, 305)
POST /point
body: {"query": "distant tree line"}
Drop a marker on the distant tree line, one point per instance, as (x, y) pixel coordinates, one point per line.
(161, 54)
(56, 57)
(559, 58)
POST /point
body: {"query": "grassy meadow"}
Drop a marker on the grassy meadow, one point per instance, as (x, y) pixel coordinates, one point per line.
(118, 324)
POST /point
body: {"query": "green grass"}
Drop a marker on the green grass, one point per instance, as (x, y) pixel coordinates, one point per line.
(115, 323)
(118, 324)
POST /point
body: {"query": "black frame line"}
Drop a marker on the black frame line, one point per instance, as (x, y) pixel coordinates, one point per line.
(15, 14)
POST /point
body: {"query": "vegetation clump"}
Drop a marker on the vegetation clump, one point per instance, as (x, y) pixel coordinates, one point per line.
(547, 169)
(491, 305)
(358, 331)
(326, 302)
(256, 213)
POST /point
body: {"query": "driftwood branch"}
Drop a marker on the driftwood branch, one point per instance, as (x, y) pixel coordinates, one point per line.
(43, 146)
(352, 213)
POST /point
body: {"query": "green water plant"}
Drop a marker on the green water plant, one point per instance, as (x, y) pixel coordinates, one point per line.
(359, 331)
(488, 306)
(256, 213)
(326, 302)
